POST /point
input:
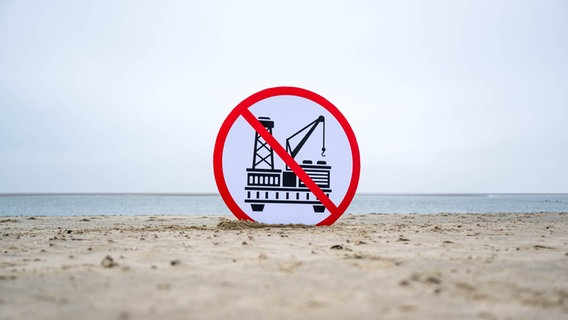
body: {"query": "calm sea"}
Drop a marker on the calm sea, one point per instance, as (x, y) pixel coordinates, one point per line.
(185, 204)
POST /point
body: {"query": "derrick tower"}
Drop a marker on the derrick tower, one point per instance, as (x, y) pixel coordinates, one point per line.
(263, 157)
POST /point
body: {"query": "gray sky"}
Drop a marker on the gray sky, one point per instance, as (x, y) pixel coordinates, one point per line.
(128, 96)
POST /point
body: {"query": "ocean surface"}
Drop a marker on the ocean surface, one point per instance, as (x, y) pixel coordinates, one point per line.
(187, 204)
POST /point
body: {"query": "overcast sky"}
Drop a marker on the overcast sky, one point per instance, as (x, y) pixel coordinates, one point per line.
(128, 96)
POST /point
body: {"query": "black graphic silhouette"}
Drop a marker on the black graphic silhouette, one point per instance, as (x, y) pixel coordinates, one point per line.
(268, 185)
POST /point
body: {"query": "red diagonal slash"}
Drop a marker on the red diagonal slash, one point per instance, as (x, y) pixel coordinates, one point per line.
(287, 158)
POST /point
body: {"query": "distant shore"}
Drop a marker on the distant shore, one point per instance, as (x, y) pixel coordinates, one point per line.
(397, 266)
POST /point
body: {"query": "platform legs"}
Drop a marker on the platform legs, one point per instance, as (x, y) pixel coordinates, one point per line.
(257, 207)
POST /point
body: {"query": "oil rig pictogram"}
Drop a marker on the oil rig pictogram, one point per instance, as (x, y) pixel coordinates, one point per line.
(266, 185)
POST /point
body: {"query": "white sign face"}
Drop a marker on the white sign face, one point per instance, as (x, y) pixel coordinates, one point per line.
(286, 155)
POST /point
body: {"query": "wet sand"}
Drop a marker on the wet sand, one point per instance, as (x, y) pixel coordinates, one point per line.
(444, 266)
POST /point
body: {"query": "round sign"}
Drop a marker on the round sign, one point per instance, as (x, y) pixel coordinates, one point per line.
(286, 155)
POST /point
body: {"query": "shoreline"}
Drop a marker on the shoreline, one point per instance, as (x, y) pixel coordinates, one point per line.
(393, 266)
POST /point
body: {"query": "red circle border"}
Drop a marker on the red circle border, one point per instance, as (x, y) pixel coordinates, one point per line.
(284, 91)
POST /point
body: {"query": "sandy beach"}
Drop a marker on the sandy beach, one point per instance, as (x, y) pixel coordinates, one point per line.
(444, 266)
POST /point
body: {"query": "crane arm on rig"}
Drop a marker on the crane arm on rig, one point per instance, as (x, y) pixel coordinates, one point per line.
(310, 127)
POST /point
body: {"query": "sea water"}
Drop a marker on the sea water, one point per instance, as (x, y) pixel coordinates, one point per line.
(188, 204)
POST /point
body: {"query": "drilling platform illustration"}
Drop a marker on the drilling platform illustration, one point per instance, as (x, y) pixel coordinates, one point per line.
(267, 185)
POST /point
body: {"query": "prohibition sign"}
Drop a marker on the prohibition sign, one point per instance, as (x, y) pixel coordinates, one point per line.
(311, 177)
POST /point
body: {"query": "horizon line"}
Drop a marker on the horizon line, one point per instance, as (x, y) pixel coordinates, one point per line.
(206, 194)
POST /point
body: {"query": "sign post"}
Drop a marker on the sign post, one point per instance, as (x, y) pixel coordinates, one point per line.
(286, 155)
